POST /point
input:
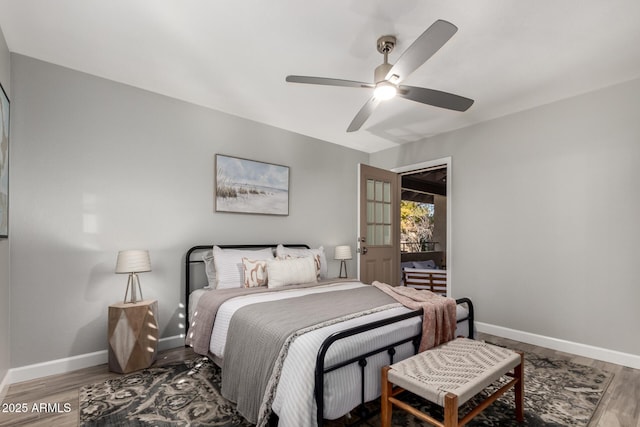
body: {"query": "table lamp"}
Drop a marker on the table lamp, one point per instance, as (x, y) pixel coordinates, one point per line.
(133, 262)
(342, 253)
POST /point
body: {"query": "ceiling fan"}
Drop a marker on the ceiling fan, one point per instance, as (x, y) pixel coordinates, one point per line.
(387, 76)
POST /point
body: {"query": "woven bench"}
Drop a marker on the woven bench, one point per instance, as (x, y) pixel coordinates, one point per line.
(451, 374)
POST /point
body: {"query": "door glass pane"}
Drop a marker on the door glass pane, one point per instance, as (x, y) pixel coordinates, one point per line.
(379, 223)
(371, 212)
(371, 235)
(379, 208)
(370, 187)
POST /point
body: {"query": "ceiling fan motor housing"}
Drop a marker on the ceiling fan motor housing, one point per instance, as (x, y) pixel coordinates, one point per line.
(385, 46)
(381, 71)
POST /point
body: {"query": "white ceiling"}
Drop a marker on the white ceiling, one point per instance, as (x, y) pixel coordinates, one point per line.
(233, 56)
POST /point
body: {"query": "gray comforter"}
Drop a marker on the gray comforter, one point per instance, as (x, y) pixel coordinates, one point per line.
(262, 333)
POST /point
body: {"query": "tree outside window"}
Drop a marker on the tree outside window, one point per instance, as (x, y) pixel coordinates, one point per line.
(416, 226)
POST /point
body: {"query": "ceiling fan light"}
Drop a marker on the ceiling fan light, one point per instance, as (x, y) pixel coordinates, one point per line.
(385, 90)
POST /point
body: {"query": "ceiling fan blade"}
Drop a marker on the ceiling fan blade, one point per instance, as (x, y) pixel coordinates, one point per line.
(435, 97)
(363, 114)
(327, 81)
(422, 49)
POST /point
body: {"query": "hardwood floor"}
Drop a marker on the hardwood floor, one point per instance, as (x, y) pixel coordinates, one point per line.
(64, 389)
(619, 406)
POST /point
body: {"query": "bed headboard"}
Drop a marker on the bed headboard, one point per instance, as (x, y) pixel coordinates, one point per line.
(193, 260)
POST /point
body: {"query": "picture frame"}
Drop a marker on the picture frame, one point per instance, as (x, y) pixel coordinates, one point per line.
(250, 186)
(4, 163)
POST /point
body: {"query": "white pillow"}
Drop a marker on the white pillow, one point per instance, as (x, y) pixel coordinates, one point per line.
(407, 264)
(429, 264)
(282, 252)
(316, 262)
(229, 267)
(293, 271)
(255, 272)
(209, 269)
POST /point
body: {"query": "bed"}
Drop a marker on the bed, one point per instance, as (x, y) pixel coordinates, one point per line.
(333, 364)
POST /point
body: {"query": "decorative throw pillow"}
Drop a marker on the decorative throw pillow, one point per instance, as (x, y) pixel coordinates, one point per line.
(282, 252)
(255, 272)
(294, 271)
(209, 269)
(316, 261)
(229, 267)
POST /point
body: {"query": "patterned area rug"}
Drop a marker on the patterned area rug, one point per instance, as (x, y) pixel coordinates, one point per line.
(557, 393)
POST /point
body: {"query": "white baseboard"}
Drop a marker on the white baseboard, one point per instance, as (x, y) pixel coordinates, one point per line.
(592, 352)
(68, 364)
(59, 366)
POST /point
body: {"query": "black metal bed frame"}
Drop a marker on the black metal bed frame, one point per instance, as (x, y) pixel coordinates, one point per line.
(361, 360)
(189, 261)
(321, 370)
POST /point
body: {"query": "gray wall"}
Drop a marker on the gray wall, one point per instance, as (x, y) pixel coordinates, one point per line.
(98, 166)
(545, 215)
(544, 207)
(5, 282)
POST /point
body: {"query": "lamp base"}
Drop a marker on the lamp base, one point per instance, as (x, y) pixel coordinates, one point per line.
(343, 266)
(131, 283)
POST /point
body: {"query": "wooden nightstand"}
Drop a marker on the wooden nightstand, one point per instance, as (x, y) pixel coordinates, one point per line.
(133, 335)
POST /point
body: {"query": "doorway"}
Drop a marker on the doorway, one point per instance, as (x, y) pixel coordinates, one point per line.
(423, 222)
(438, 186)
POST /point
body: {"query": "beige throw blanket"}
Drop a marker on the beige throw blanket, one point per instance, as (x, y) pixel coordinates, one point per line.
(439, 318)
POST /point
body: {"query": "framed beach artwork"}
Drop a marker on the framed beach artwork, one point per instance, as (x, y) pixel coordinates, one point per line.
(4, 163)
(249, 186)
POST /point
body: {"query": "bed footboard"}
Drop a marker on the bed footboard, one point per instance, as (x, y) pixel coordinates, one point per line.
(361, 360)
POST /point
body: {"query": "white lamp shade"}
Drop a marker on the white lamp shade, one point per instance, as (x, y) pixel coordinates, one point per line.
(342, 252)
(133, 261)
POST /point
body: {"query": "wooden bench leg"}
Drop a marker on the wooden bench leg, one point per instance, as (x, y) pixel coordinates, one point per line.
(385, 404)
(450, 410)
(518, 374)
